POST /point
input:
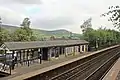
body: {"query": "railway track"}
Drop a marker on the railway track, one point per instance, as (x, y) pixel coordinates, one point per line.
(92, 69)
(89, 67)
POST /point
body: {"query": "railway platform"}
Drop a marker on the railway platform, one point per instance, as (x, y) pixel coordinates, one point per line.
(21, 70)
(114, 72)
(24, 72)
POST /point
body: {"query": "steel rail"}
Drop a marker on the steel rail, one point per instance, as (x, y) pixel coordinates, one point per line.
(72, 71)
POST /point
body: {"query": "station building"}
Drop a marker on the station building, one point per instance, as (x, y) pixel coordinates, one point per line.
(43, 50)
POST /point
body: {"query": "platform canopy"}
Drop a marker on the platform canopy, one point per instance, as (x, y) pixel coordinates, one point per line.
(41, 44)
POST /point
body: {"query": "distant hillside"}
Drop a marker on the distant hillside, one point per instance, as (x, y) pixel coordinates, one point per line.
(44, 33)
(10, 27)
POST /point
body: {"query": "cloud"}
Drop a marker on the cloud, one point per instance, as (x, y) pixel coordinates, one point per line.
(10, 17)
(32, 10)
(21, 1)
(53, 23)
(52, 14)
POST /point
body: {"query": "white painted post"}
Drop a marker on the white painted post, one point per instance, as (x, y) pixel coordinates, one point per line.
(87, 47)
(84, 48)
(81, 48)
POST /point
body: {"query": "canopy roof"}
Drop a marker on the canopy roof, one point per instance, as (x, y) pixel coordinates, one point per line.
(41, 44)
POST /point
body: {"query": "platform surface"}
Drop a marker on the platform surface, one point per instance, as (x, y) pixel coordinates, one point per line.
(113, 72)
(22, 72)
(25, 71)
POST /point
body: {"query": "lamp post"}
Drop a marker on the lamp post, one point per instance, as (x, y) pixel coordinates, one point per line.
(98, 40)
(97, 43)
(39, 54)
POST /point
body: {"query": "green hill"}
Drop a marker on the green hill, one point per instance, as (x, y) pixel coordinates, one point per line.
(45, 33)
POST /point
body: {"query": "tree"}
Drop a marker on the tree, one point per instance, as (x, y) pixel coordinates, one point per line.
(26, 26)
(87, 24)
(70, 35)
(24, 33)
(20, 35)
(0, 23)
(87, 29)
(26, 23)
(4, 36)
(63, 37)
(114, 15)
(33, 38)
(100, 37)
(89, 34)
(52, 38)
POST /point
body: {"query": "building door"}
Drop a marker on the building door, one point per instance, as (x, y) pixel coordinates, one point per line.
(78, 48)
(45, 54)
(82, 48)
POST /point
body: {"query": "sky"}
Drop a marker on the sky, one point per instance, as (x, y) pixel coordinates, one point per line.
(56, 14)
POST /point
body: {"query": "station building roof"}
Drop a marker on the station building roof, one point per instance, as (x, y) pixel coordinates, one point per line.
(41, 44)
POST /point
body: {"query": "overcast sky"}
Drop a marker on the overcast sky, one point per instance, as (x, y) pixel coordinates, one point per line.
(56, 14)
